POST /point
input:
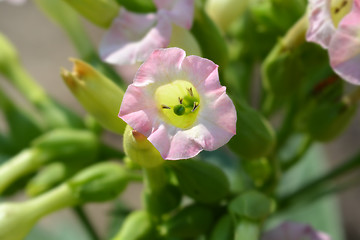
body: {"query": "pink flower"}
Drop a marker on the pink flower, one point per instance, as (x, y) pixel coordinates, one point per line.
(177, 102)
(294, 231)
(132, 37)
(337, 28)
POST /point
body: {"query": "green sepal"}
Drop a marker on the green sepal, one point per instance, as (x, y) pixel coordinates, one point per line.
(201, 181)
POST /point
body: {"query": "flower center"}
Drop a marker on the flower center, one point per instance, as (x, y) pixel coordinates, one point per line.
(178, 103)
(339, 9)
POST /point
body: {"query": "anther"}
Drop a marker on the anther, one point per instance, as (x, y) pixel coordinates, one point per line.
(165, 107)
(180, 100)
(190, 91)
(337, 10)
(196, 105)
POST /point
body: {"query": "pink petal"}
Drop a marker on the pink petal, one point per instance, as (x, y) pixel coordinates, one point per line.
(181, 12)
(321, 27)
(294, 231)
(202, 72)
(128, 72)
(132, 37)
(161, 67)
(138, 110)
(344, 49)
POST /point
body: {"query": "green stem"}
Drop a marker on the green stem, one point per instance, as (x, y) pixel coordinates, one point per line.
(344, 168)
(83, 218)
(305, 146)
(155, 178)
(25, 162)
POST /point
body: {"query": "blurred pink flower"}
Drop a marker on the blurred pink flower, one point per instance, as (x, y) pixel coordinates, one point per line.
(294, 231)
(177, 102)
(337, 28)
(132, 37)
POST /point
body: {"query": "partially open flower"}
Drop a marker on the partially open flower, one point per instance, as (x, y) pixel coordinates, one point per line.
(294, 231)
(177, 102)
(335, 25)
(132, 37)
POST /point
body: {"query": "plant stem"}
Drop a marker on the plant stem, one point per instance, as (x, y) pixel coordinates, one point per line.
(344, 168)
(83, 218)
(305, 146)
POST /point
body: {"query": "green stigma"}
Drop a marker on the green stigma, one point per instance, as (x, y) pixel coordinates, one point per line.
(178, 103)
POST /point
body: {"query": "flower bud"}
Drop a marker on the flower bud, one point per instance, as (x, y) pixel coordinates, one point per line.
(248, 230)
(162, 201)
(184, 39)
(256, 138)
(98, 94)
(137, 226)
(100, 182)
(198, 180)
(224, 229)
(140, 150)
(67, 145)
(225, 12)
(189, 222)
(101, 13)
(138, 6)
(252, 205)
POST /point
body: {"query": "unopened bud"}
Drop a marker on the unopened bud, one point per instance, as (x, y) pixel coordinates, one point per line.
(100, 182)
(8, 56)
(140, 150)
(101, 13)
(256, 138)
(198, 180)
(98, 94)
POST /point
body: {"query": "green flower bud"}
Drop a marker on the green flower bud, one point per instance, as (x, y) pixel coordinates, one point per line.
(67, 145)
(223, 13)
(137, 226)
(100, 182)
(98, 94)
(189, 222)
(209, 37)
(199, 179)
(252, 205)
(224, 229)
(162, 201)
(101, 13)
(138, 6)
(140, 150)
(256, 138)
